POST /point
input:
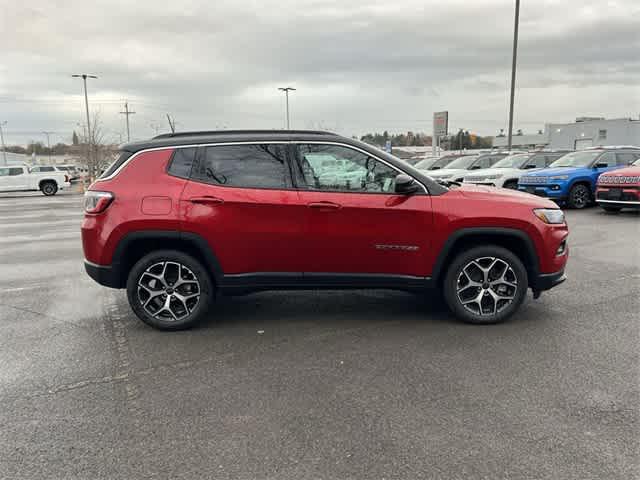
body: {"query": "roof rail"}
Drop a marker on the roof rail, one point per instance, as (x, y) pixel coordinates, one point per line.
(227, 132)
(612, 147)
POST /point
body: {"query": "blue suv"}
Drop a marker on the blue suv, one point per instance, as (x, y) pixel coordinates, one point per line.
(572, 178)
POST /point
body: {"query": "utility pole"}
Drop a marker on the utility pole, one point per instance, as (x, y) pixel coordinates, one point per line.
(155, 127)
(172, 124)
(4, 151)
(513, 71)
(127, 112)
(286, 91)
(84, 77)
(48, 144)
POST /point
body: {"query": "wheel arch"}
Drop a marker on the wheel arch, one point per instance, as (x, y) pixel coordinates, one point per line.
(135, 245)
(512, 239)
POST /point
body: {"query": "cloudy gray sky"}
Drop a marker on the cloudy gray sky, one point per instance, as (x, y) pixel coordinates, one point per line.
(358, 65)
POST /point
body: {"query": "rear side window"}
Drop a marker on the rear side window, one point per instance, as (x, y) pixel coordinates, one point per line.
(247, 166)
(181, 162)
(15, 171)
(122, 157)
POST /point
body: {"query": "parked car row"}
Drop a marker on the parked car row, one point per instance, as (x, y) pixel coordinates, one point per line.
(568, 178)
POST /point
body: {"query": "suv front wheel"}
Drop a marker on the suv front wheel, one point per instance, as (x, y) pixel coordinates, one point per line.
(485, 285)
(169, 290)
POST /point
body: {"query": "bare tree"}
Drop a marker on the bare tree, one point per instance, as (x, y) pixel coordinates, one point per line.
(99, 152)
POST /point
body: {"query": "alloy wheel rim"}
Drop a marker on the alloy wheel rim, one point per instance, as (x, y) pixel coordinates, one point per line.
(580, 197)
(486, 286)
(168, 291)
(48, 188)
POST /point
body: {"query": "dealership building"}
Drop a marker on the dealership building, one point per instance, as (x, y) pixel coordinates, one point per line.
(585, 132)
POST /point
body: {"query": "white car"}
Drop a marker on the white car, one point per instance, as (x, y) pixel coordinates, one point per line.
(459, 168)
(19, 178)
(508, 171)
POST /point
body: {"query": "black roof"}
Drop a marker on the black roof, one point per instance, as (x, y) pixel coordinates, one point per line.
(202, 137)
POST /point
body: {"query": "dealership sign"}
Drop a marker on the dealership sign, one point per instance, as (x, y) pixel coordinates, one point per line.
(440, 124)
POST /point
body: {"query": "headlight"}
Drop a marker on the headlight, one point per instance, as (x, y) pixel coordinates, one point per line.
(550, 216)
(442, 177)
(492, 177)
(560, 177)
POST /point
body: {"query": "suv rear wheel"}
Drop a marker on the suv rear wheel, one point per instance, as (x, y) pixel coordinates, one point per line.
(169, 290)
(49, 188)
(579, 196)
(485, 285)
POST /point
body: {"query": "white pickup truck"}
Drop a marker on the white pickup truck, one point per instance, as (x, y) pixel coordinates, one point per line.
(19, 178)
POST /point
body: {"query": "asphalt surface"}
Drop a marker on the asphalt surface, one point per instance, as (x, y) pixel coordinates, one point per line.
(330, 385)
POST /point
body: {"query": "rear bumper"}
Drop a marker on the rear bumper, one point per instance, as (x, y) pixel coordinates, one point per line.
(103, 274)
(546, 281)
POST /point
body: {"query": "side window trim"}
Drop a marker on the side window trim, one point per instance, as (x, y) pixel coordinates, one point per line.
(296, 143)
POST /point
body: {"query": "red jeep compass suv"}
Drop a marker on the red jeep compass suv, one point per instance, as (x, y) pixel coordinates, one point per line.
(182, 217)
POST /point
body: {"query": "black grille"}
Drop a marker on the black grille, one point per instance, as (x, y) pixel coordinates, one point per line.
(616, 194)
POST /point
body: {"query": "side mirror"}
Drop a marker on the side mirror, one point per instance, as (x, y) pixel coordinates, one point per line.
(602, 165)
(530, 166)
(434, 168)
(405, 185)
(476, 167)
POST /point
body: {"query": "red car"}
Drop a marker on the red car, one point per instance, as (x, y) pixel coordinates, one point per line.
(182, 217)
(619, 189)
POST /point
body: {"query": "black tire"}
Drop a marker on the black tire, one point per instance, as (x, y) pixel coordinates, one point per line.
(611, 209)
(49, 188)
(579, 196)
(496, 310)
(511, 184)
(191, 311)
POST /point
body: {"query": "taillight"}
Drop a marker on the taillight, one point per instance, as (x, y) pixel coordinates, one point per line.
(66, 179)
(97, 202)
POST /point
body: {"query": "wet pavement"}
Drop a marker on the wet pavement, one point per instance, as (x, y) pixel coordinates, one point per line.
(331, 385)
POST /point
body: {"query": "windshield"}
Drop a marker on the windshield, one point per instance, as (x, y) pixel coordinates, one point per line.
(463, 162)
(443, 161)
(512, 161)
(426, 163)
(576, 159)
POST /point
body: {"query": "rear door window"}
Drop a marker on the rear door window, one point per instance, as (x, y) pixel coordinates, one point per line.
(15, 171)
(244, 166)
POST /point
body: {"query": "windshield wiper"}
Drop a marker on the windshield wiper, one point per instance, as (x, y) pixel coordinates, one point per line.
(448, 183)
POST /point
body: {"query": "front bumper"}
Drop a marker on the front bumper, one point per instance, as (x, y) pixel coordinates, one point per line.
(552, 192)
(619, 204)
(105, 275)
(546, 281)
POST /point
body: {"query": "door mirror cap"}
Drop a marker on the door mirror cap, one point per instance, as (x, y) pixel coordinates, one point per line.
(531, 165)
(602, 165)
(476, 167)
(406, 185)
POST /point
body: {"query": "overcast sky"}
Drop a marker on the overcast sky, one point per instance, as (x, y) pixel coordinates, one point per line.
(358, 65)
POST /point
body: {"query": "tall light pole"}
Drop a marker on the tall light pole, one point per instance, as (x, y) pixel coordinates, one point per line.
(48, 144)
(513, 71)
(4, 151)
(286, 91)
(84, 77)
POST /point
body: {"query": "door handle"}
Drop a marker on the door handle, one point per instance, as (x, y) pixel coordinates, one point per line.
(324, 205)
(206, 200)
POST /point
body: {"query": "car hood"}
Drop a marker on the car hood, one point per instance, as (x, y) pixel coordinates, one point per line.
(552, 172)
(446, 172)
(478, 192)
(486, 172)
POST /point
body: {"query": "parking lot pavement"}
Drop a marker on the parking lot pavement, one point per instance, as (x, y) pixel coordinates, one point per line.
(338, 384)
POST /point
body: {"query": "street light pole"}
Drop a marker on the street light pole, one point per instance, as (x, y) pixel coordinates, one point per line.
(286, 92)
(84, 77)
(4, 151)
(513, 72)
(48, 145)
